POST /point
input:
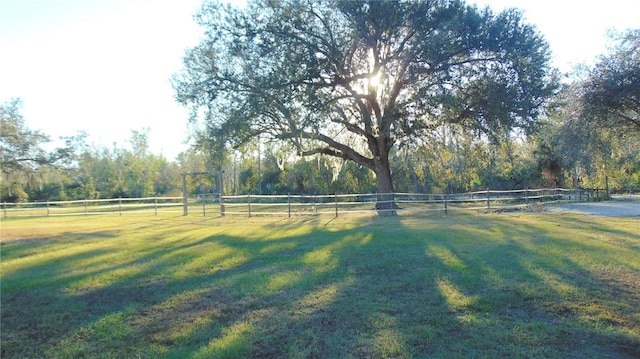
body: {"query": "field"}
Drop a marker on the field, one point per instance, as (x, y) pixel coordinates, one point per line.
(510, 285)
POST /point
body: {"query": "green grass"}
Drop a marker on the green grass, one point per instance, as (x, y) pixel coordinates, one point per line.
(519, 285)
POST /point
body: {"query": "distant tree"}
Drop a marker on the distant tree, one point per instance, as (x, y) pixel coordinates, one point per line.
(576, 150)
(22, 153)
(304, 177)
(20, 147)
(594, 125)
(353, 79)
(354, 178)
(612, 91)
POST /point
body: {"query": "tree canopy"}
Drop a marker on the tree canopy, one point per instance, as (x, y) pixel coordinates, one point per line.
(612, 91)
(22, 151)
(20, 147)
(354, 79)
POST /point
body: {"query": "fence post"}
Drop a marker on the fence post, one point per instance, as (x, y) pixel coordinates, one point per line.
(4, 209)
(120, 206)
(446, 207)
(85, 206)
(289, 204)
(204, 203)
(336, 198)
(47, 204)
(185, 204)
(249, 204)
(155, 205)
(488, 200)
(221, 205)
(526, 197)
(221, 190)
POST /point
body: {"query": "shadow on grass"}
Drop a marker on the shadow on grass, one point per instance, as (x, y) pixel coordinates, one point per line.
(576, 282)
(464, 286)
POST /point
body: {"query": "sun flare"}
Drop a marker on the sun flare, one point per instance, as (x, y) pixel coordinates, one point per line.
(374, 80)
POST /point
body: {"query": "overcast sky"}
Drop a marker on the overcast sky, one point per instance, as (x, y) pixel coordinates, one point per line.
(103, 66)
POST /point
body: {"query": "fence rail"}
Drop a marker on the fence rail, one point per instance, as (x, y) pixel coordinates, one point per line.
(93, 207)
(299, 205)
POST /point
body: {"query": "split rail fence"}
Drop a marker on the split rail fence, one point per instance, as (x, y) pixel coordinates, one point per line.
(300, 205)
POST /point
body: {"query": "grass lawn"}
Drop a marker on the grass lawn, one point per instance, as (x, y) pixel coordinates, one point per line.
(519, 285)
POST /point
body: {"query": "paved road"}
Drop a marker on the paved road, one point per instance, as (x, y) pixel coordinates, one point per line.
(613, 208)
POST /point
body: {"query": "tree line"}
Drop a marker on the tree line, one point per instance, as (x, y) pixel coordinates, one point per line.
(353, 97)
(561, 153)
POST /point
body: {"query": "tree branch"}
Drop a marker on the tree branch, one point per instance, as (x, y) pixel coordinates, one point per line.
(335, 149)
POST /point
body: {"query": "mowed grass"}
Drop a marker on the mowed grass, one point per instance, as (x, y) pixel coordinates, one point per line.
(518, 285)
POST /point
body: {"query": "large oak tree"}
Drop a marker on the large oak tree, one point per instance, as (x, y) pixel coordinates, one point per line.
(354, 79)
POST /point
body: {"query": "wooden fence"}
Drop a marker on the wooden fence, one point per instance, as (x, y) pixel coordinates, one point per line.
(489, 200)
(93, 207)
(297, 205)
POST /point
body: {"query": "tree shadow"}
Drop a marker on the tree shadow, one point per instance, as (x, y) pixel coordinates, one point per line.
(571, 308)
(433, 286)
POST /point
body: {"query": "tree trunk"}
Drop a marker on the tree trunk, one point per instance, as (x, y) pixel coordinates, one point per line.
(385, 199)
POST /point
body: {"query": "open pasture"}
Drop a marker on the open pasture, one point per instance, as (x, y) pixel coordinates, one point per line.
(518, 285)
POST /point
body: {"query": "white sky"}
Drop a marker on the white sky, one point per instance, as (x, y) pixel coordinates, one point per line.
(103, 66)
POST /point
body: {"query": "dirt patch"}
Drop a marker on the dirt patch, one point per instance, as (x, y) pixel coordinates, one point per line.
(615, 208)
